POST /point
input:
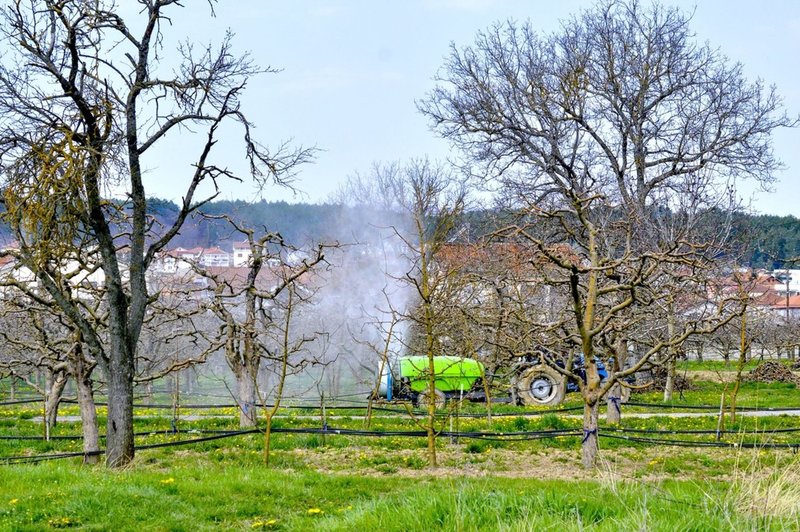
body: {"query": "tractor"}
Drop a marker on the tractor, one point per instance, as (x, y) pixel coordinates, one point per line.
(537, 383)
(532, 382)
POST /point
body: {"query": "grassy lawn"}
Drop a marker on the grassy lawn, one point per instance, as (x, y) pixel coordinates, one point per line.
(339, 482)
(721, 365)
(186, 491)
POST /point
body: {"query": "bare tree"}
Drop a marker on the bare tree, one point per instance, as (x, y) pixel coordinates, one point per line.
(431, 201)
(620, 136)
(41, 336)
(246, 301)
(289, 354)
(84, 98)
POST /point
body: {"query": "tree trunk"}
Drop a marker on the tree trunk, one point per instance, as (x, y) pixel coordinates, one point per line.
(119, 428)
(614, 398)
(430, 423)
(91, 436)
(267, 440)
(246, 381)
(55, 390)
(81, 369)
(669, 386)
(614, 404)
(743, 346)
(487, 393)
(590, 443)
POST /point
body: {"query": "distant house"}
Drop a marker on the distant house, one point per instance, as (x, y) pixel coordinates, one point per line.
(83, 274)
(214, 258)
(171, 260)
(241, 254)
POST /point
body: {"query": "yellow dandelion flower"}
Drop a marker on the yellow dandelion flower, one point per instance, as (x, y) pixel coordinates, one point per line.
(271, 522)
(169, 480)
(315, 511)
(13, 501)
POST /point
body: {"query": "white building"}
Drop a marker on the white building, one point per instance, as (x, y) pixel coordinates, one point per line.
(241, 254)
(781, 278)
(178, 258)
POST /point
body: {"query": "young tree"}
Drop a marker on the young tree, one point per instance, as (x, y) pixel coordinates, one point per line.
(431, 201)
(619, 135)
(85, 97)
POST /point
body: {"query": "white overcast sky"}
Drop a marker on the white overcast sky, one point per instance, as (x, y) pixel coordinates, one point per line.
(351, 71)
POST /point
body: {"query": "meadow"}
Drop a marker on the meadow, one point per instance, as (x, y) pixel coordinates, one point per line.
(519, 471)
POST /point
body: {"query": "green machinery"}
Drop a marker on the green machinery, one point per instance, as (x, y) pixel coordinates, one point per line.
(454, 377)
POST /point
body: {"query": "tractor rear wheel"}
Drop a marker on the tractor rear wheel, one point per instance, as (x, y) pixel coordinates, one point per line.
(541, 386)
(439, 399)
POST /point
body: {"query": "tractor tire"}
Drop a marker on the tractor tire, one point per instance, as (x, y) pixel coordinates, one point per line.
(439, 399)
(541, 386)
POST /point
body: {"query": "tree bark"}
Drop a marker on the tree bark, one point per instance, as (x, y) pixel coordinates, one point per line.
(614, 405)
(267, 439)
(590, 443)
(119, 427)
(91, 436)
(55, 390)
(614, 397)
(246, 381)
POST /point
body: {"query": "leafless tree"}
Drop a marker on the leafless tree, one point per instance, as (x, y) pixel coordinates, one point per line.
(41, 336)
(431, 200)
(289, 355)
(85, 96)
(619, 136)
(247, 302)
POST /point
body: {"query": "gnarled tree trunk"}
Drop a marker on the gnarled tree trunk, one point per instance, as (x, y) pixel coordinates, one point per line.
(55, 383)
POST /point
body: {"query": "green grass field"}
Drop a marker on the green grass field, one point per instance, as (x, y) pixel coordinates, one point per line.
(186, 492)
(345, 482)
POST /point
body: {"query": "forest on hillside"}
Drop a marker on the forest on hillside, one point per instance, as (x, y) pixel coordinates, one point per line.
(759, 240)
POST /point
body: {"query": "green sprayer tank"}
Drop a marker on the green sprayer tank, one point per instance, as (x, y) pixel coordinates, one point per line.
(454, 377)
(453, 374)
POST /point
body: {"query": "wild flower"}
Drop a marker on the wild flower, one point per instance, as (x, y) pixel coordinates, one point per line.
(13, 501)
(315, 511)
(169, 480)
(61, 522)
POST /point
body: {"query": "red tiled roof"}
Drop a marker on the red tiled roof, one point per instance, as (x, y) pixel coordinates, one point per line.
(780, 301)
(213, 251)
